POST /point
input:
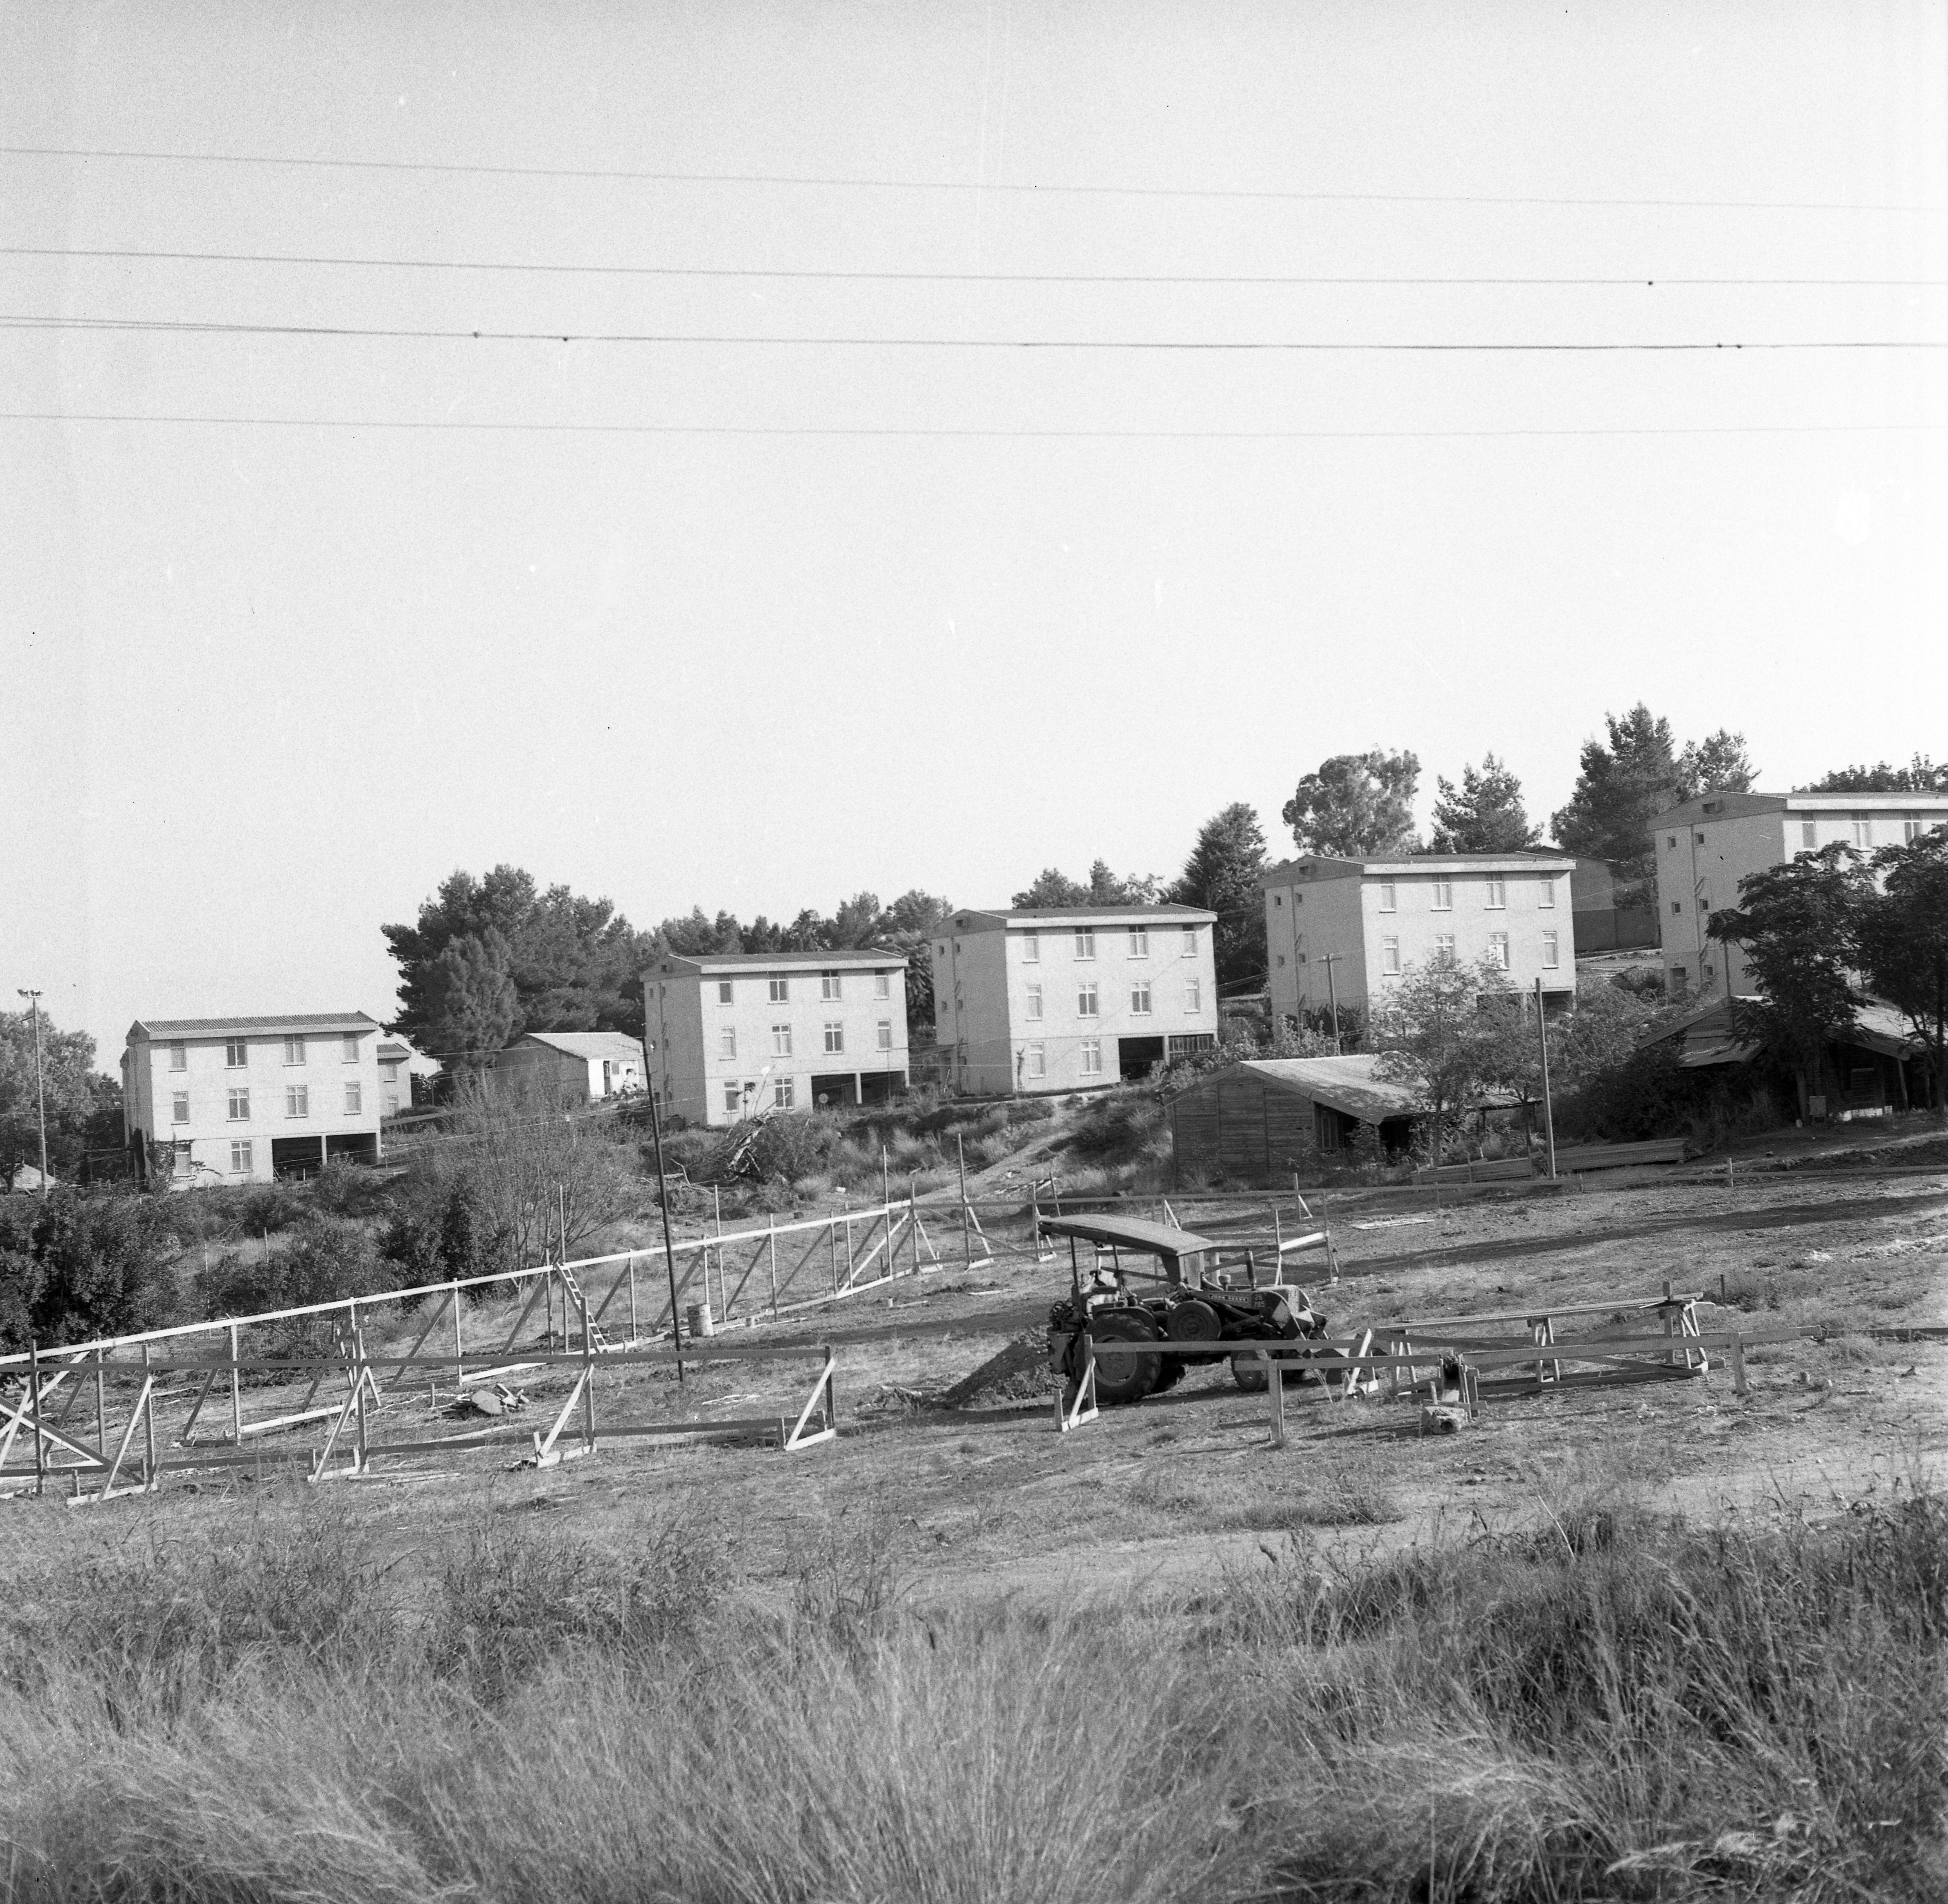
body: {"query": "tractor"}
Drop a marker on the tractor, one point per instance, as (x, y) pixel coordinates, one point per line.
(1196, 1303)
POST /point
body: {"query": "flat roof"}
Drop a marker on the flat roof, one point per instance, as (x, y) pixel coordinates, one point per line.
(1737, 806)
(759, 961)
(1325, 866)
(277, 1023)
(1129, 1232)
(988, 919)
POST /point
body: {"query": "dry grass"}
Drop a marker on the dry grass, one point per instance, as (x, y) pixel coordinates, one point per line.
(279, 1705)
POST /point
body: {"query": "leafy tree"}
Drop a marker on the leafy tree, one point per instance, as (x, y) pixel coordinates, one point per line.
(1435, 1038)
(1357, 806)
(909, 923)
(75, 1266)
(573, 964)
(470, 1003)
(1222, 874)
(1902, 941)
(1797, 925)
(1054, 888)
(1718, 764)
(1485, 816)
(84, 1107)
(1641, 774)
(1920, 775)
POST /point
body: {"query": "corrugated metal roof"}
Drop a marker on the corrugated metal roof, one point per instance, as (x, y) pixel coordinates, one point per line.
(215, 1028)
(1707, 1037)
(1348, 1084)
(587, 1044)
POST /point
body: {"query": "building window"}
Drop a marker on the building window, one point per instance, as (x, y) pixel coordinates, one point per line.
(1092, 1057)
(1498, 895)
(391, 1104)
(389, 1073)
(1193, 995)
(1911, 830)
(1033, 1007)
(1032, 948)
(1085, 942)
(733, 1097)
(178, 1055)
(882, 985)
(1281, 960)
(355, 1101)
(1139, 999)
(1037, 1061)
(1389, 896)
(1139, 941)
(783, 1096)
(835, 1035)
(294, 1051)
(240, 1157)
(351, 1047)
(1444, 895)
(1443, 948)
(1550, 959)
(1680, 978)
(1190, 940)
(1672, 841)
(781, 1041)
(885, 1030)
(1498, 951)
(1677, 906)
(1864, 831)
(1390, 957)
(239, 1107)
(1545, 898)
(724, 991)
(237, 1053)
(179, 1108)
(297, 1100)
(781, 989)
(1085, 1001)
(1278, 899)
(726, 1041)
(828, 985)
(1809, 836)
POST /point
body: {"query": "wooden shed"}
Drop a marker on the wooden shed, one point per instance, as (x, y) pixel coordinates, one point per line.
(1261, 1118)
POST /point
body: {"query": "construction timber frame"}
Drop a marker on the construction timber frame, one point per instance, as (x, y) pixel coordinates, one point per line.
(103, 1418)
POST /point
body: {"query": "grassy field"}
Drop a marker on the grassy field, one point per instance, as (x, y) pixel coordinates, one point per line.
(1643, 1641)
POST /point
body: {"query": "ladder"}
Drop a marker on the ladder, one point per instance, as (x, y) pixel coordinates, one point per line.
(598, 1337)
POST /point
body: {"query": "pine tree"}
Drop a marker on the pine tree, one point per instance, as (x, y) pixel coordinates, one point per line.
(1485, 816)
(1222, 874)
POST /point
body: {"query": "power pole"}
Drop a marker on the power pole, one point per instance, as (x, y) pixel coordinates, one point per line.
(663, 1197)
(1548, 1114)
(33, 999)
(1332, 993)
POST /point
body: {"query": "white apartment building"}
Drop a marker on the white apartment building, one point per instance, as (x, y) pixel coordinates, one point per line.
(241, 1100)
(1345, 929)
(734, 1034)
(1052, 999)
(1705, 847)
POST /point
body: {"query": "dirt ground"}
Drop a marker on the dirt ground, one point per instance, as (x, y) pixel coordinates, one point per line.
(987, 1502)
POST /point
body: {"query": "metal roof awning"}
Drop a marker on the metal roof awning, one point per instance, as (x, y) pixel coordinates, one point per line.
(1129, 1232)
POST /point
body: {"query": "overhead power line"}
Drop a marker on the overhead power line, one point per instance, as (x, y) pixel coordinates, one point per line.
(870, 430)
(840, 182)
(200, 327)
(794, 274)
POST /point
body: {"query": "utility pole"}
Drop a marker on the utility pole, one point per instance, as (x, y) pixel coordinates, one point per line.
(33, 999)
(1332, 993)
(1548, 1114)
(663, 1197)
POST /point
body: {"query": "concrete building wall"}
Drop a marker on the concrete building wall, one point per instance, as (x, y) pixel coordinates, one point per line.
(341, 1099)
(728, 1057)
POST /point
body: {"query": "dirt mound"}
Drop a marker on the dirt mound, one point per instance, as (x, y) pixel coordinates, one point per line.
(1020, 1372)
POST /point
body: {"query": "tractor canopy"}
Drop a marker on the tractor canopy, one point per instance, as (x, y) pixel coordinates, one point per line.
(1181, 1253)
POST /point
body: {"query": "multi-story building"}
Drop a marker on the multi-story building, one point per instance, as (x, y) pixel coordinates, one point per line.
(736, 1033)
(1342, 931)
(1056, 999)
(1705, 847)
(241, 1100)
(395, 1078)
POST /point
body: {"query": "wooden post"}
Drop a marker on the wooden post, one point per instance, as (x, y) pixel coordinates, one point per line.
(459, 1347)
(632, 1298)
(101, 1403)
(1548, 1111)
(358, 1387)
(236, 1388)
(148, 1424)
(1739, 1364)
(588, 1380)
(1670, 1325)
(771, 1249)
(1275, 1391)
(34, 1398)
(967, 1234)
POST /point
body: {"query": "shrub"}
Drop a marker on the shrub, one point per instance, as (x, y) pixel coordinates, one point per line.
(81, 1265)
(1116, 1129)
(325, 1262)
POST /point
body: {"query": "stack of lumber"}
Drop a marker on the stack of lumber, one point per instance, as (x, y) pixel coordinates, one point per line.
(1502, 1170)
(1610, 1157)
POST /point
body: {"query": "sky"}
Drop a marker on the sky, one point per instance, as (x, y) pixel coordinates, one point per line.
(294, 623)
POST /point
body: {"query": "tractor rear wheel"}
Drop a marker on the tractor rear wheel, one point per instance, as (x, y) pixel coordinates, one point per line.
(1124, 1374)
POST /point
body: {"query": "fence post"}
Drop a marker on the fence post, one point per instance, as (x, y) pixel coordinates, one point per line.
(459, 1348)
(359, 1385)
(632, 1298)
(148, 1424)
(34, 1404)
(588, 1380)
(966, 1233)
(101, 1403)
(771, 1249)
(236, 1390)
